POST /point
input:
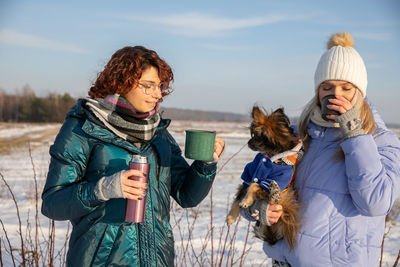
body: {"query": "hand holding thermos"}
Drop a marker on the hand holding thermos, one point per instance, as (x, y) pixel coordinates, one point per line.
(134, 188)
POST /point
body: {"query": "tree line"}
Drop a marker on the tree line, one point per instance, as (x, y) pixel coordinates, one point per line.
(27, 107)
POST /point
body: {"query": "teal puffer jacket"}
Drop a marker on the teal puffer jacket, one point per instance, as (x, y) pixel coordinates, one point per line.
(84, 152)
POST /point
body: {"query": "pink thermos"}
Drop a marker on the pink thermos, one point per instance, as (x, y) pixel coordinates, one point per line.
(135, 208)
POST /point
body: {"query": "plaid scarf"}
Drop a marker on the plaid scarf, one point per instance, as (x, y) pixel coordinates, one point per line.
(118, 114)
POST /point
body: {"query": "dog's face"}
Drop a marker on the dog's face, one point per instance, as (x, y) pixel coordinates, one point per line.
(270, 134)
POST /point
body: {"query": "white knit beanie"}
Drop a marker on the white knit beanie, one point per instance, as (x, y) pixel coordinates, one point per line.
(342, 62)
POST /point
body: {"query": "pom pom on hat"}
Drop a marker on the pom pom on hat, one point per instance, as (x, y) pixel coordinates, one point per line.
(340, 39)
(342, 62)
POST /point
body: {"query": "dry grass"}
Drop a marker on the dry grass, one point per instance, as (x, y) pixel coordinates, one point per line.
(36, 246)
(7, 144)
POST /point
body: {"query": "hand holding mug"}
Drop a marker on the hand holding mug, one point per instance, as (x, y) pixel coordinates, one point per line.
(333, 106)
(219, 147)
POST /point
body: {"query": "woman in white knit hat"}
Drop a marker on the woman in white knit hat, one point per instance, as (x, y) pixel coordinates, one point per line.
(349, 177)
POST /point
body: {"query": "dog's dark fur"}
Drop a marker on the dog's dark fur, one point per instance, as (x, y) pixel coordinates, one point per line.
(270, 135)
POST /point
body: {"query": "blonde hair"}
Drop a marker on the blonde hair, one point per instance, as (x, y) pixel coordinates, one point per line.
(364, 114)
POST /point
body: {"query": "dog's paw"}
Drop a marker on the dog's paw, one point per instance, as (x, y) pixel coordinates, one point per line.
(275, 193)
(256, 215)
(229, 220)
(245, 203)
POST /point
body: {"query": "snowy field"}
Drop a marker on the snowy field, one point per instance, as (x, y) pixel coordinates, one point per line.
(19, 171)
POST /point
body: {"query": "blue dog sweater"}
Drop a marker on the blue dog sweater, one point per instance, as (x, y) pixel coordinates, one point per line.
(262, 171)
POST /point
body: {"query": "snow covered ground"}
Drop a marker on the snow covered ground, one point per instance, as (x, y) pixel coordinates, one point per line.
(14, 130)
(18, 170)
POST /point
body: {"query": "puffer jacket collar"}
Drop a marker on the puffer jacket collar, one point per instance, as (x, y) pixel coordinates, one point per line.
(329, 134)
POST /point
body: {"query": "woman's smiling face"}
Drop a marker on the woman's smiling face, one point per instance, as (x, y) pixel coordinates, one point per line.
(145, 96)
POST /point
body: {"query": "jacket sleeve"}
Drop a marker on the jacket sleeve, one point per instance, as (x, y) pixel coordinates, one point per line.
(373, 169)
(67, 194)
(245, 214)
(276, 251)
(189, 184)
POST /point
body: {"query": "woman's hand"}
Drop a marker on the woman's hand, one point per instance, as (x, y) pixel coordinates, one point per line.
(133, 189)
(218, 148)
(340, 104)
(274, 212)
(266, 214)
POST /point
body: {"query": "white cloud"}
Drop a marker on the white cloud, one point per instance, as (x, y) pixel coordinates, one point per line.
(200, 25)
(22, 39)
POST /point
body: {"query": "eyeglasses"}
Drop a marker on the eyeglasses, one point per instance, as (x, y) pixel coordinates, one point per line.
(150, 88)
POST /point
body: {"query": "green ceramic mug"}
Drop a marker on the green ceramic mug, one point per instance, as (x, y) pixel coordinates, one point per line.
(199, 144)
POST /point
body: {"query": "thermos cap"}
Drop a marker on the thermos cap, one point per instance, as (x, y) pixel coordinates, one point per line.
(139, 159)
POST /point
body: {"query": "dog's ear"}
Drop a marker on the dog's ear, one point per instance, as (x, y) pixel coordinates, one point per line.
(255, 111)
(258, 115)
(280, 110)
(280, 116)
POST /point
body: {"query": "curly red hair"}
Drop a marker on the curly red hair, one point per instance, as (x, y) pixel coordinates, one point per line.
(124, 70)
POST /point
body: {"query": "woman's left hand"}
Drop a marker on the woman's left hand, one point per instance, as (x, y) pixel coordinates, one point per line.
(218, 148)
(340, 104)
(274, 213)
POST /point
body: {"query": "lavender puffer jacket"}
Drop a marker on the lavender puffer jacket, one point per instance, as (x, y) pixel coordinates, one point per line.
(344, 203)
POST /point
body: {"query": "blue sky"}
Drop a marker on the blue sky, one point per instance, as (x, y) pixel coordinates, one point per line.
(226, 55)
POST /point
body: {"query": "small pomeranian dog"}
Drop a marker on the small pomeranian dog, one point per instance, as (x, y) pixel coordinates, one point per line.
(270, 176)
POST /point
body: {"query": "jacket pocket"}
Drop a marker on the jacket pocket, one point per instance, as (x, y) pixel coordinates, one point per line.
(104, 246)
(356, 230)
(309, 251)
(86, 247)
(87, 222)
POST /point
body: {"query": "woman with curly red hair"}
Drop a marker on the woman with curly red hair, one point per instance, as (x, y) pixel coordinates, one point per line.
(88, 183)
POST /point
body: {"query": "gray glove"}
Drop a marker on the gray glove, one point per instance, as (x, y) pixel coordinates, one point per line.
(258, 211)
(350, 124)
(109, 187)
